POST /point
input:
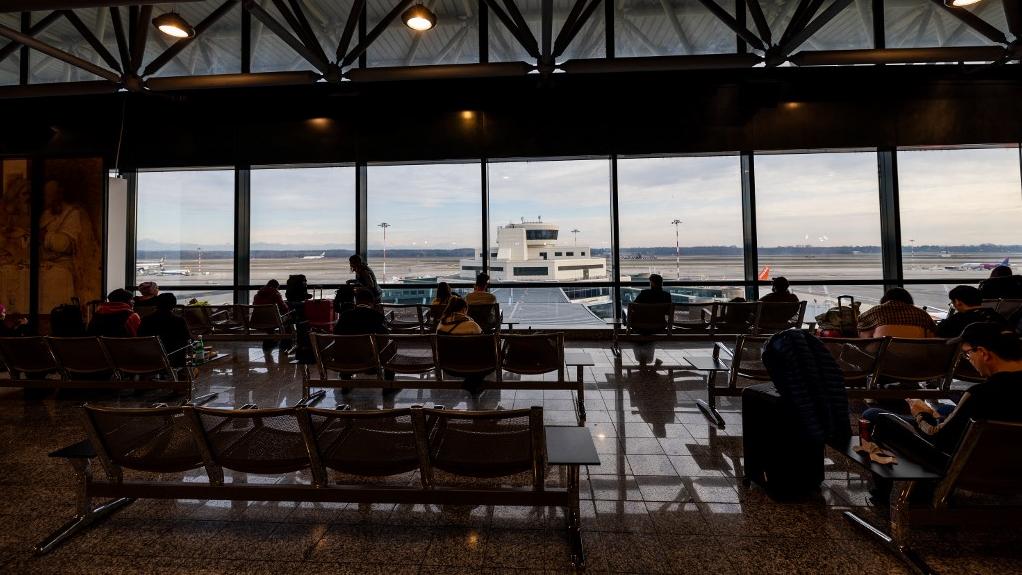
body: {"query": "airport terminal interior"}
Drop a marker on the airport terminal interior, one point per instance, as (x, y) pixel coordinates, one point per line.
(510, 286)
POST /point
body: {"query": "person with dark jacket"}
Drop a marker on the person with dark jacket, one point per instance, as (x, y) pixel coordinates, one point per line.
(344, 299)
(997, 355)
(779, 292)
(270, 294)
(363, 318)
(968, 305)
(1001, 284)
(655, 293)
(19, 328)
(364, 277)
(115, 317)
(170, 328)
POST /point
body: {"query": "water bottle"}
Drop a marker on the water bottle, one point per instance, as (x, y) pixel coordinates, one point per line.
(198, 351)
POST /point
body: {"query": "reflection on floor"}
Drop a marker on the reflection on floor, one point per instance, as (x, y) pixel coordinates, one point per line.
(667, 499)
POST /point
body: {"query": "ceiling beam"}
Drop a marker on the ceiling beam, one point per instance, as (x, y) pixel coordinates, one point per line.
(531, 47)
(373, 34)
(733, 24)
(975, 22)
(897, 56)
(36, 28)
(270, 22)
(756, 11)
(122, 41)
(59, 54)
(91, 38)
(35, 5)
(140, 34)
(176, 48)
(349, 28)
(565, 38)
(672, 18)
(310, 35)
(835, 8)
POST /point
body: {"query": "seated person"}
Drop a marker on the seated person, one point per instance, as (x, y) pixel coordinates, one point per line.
(344, 299)
(996, 355)
(297, 291)
(655, 292)
(443, 294)
(967, 302)
(115, 317)
(480, 293)
(363, 318)
(170, 328)
(270, 294)
(1001, 284)
(896, 316)
(455, 320)
(147, 292)
(779, 292)
(17, 329)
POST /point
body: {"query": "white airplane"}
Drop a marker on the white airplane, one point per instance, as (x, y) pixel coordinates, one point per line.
(146, 267)
(319, 257)
(974, 266)
(180, 272)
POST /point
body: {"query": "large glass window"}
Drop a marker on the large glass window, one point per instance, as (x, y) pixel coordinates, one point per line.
(960, 211)
(424, 221)
(185, 227)
(818, 217)
(704, 195)
(303, 222)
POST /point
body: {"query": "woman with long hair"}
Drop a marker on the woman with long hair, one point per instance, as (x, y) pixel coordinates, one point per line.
(443, 294)
(455, 319)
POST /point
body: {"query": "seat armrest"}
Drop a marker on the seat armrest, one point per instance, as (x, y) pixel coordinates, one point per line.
(720, 347)
(216, 313)
(570, 445)
(81, 450)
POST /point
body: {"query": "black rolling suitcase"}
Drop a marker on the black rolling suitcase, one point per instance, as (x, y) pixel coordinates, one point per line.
(66, 320)
(778, 454)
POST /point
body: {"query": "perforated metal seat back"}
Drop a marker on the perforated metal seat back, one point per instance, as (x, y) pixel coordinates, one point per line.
(254, 440)
(487, 315)
(693, 316)
(533, 354)
(27, 354)
(406, 353)
(649, 317)
(918, 360)
(467, 353)
(80, 354)
(857, 358)
(197, 319)
(735, 317)
(158, 440)
(404, 318)
(994, 464)
(483, 444)
(779, 316)
(136, 355)
(365, 443)
(345, 353)
(749, 358)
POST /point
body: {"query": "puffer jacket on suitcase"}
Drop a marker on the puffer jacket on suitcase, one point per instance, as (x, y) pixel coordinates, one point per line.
(808, 377)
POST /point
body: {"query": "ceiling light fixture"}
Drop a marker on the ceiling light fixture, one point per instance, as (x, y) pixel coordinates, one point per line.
(172, 24)
(419, 18)
(960, 3)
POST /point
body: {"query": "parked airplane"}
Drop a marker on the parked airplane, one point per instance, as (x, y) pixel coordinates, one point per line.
(319, 257)
(145, 267)
(973, 266)
(180, 272)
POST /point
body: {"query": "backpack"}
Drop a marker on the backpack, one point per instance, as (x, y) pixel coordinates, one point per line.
(66, 320)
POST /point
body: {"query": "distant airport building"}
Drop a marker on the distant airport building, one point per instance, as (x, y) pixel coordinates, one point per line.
(529, 252)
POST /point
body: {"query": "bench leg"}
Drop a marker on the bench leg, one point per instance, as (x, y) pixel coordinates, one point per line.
(579, 377)
(709, 407)
(906, 554)
(80, 523)
(574, 521)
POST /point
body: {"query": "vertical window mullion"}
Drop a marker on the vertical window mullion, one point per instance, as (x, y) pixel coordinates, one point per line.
(750, 249)
(242, 232)
(615, 235)
(890, 218)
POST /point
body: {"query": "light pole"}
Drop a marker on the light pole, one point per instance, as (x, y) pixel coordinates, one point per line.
(575, 231)
(677, 248)
(384, 225)
(912, 243)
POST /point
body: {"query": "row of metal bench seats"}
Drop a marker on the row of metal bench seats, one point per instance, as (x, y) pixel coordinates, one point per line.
(91, 362)
(874, 368)
(339, 454)
(434, 358)
(657, 321)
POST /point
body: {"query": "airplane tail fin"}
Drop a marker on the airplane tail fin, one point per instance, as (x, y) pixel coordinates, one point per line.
(764, 274)
(1004, 262)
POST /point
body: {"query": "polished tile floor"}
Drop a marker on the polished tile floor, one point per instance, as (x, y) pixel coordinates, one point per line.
(667, 498)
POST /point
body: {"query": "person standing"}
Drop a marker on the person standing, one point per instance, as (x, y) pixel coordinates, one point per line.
(364, 277)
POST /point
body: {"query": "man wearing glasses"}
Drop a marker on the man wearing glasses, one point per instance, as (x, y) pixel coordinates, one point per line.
(997, 355)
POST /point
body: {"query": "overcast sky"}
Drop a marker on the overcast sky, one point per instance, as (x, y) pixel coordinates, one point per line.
(947, 197)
